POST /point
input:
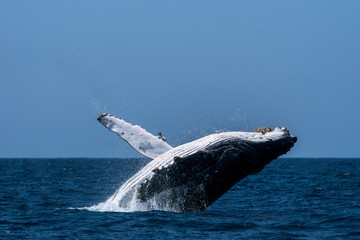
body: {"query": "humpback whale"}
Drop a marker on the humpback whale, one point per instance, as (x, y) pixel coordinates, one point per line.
(192, 176)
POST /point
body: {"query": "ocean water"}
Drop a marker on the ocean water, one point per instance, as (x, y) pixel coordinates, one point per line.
(289, 199)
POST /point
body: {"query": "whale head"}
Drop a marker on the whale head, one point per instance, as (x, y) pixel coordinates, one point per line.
(271, 145)
(240, 154)
(252, 150)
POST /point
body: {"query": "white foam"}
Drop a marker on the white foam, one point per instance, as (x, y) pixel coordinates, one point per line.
(155, 203)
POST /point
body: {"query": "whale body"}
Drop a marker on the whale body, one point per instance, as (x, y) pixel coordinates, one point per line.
(192, 176)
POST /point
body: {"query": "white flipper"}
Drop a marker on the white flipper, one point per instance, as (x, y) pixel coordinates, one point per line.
(142, 141)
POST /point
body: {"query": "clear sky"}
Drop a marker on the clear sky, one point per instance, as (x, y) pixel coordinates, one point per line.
(185, 68)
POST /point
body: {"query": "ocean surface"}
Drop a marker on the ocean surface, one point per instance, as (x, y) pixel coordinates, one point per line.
(289, 199)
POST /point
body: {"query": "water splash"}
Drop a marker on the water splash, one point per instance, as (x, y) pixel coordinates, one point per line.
(97, 105)
(132, 204)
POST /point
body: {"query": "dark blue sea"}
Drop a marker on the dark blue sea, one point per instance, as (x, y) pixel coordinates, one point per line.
(289, 199)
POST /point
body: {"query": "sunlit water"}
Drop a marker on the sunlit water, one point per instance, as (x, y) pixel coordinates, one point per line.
(289, 199)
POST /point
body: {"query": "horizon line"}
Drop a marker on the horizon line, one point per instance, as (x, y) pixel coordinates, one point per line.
(1, 158)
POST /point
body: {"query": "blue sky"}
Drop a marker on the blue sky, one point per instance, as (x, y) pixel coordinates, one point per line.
(185, 68)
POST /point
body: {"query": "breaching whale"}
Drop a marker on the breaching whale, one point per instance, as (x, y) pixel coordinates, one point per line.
(192, 176)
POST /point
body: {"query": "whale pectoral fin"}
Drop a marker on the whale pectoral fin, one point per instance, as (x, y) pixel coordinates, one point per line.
(137, 137)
